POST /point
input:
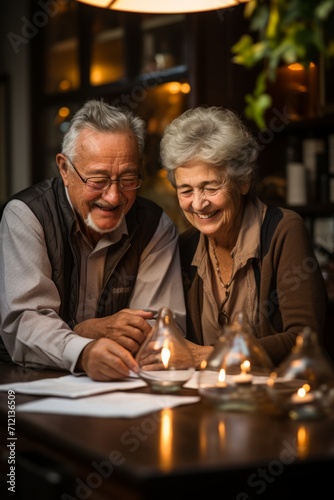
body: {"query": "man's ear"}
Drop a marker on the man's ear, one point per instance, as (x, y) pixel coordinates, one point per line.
(63, 167)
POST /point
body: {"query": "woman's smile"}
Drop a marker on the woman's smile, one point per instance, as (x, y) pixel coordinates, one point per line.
(206, 216)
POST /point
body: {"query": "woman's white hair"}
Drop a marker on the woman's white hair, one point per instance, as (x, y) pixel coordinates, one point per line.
(216, 136)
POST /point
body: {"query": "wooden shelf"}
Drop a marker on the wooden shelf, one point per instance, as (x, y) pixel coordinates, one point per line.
(313, 209)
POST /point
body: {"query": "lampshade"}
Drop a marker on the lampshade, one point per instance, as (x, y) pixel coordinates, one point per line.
(163, 6)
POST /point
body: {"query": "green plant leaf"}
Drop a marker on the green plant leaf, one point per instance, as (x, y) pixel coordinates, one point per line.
(273, 22)
(249, 8)
(285, 32)
(323, 10)
(259, 19)
(330, 50)
(242, 45)
(260, 84)
(247, 53)
(256, 108)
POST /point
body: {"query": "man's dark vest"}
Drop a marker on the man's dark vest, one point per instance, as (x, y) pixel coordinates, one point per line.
(48, 201)
(193, 285)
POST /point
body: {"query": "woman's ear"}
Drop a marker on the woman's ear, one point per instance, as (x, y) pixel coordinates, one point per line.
(245, 188)
(62, 166)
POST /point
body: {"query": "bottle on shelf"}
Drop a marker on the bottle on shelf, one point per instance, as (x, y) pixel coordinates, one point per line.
(296, 175)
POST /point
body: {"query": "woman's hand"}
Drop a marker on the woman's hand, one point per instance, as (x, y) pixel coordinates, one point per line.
(199, 352)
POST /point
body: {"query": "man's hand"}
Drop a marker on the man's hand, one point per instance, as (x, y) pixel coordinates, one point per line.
(128, 328)
(105, 359)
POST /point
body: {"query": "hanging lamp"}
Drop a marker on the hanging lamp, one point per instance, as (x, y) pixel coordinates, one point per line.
(163, 6)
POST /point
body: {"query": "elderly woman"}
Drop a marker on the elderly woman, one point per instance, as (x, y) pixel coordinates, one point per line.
(240, 254)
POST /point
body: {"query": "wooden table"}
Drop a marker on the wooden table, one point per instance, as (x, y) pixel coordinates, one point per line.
(193, 448)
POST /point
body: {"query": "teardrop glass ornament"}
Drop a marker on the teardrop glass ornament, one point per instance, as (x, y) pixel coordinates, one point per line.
(302, 386)
(235, 375)
(165, 361)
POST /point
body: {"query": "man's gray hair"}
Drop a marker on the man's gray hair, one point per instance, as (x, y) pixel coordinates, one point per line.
(102, 117)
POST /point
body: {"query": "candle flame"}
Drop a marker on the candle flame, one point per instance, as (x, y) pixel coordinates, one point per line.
(245, 366)
(203, 364)
(303, 390)
(165, 355)
(221, 375)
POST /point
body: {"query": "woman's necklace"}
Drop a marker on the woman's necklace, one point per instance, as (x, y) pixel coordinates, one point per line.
(226, 287)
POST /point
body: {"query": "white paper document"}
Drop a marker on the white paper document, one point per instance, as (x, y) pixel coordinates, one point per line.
(71, 386)
(193, 382)
(117, 404)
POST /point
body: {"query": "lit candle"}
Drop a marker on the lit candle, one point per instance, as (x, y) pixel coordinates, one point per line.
(165, 354)
(244, 377)
(302, 396)
(221, 379)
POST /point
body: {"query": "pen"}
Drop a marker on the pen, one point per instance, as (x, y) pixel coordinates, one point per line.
(156, 313)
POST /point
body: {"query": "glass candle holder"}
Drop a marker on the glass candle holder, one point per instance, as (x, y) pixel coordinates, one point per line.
(302, 387)
(165, 361)
(235, 375)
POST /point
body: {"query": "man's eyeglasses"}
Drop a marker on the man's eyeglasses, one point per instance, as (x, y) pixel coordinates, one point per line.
(128, 182)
